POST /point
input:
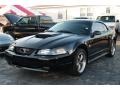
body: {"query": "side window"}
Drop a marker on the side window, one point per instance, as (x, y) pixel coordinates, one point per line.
(45, 19)
(32, 20)
(99, 27)
(104, 28)
(28, 20)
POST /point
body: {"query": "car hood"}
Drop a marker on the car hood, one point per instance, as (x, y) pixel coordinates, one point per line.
(47, 40)
(12, 18)
(110, 23)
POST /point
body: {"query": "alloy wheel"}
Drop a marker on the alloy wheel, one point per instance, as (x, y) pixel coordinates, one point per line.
(81, 62)
(113, 48)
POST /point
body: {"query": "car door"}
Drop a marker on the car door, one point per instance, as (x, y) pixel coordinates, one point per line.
(98, 44)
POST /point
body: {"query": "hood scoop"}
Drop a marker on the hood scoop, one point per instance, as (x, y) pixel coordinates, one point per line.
(41, 35)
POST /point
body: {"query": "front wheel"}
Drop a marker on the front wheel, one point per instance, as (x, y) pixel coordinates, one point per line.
(79, 63)
(112, 49)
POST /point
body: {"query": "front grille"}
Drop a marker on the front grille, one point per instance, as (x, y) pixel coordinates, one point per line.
(23, 51)
(30, 63)
(2, 49)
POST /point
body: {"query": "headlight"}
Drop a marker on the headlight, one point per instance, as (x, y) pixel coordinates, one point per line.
(11, 47)
(57, 51)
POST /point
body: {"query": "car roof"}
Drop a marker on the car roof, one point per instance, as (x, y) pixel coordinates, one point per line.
(35, 16)
(81, 18)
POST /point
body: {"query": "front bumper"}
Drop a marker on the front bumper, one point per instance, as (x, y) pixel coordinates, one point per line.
(37, 63)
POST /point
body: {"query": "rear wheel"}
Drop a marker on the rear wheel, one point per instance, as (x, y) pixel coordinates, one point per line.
(112, 49)
(79, 63)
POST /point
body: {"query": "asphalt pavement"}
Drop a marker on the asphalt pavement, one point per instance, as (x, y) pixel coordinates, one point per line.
(105, 71)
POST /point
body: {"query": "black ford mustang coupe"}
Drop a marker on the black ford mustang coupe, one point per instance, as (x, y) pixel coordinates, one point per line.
(73, 42)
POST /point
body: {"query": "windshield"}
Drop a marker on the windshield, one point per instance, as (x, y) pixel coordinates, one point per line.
(106, 18)
(74, 27)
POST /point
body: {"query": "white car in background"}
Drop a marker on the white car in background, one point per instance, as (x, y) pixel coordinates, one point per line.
(109, 20)
(5, 41)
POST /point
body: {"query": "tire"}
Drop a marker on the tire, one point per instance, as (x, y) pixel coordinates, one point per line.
(112, 49)
(79, 62)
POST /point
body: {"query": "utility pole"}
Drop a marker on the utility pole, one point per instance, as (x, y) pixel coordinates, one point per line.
(66, 14)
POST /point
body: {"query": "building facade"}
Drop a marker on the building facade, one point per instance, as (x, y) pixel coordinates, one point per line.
(62, 13)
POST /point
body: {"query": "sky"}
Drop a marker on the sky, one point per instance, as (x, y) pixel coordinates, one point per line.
(28, 3)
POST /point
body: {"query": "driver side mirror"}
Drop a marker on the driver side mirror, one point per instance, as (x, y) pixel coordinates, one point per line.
(96, 33)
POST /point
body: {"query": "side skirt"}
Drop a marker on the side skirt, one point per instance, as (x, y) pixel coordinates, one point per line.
(91, 60)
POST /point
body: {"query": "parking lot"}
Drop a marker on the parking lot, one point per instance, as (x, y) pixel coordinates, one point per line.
(102, 71)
